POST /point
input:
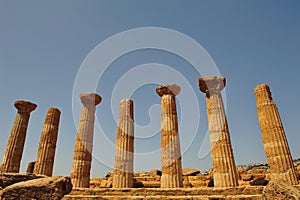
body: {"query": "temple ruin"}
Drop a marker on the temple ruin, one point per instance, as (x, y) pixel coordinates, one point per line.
(225, 181)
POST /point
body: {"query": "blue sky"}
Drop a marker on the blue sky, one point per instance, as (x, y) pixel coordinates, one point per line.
(44, 43)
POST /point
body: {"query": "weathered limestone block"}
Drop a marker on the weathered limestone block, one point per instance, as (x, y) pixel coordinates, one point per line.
(200, 181)
(224, 169)
(246, 177)
(80, 173)
(258, 171)
(186, 182)
(274, 138)
(190, 172)
(46, 151)
(8, 179)
(170, 144)
(106, 183)
(96, 182)
(14, 149)
(204, 193)
(140, 174)
(151, 184)
(259, 180)
(30, 167)
(278, 190)
(108, 174)
(123, 166)
(155, 173)
(44, 188)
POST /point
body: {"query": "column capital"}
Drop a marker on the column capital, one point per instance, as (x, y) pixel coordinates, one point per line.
(25, 106)
(211, 84)
(90, 99)
(168, 89)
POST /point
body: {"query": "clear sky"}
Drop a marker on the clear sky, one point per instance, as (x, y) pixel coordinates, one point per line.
(43, 45)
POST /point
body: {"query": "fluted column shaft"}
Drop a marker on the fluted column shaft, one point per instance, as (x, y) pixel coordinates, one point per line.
(170, 145)
(80, 173)
(30, 167)
(123, 167)
(275, 143)
(224, 169)
(47, 146)
(14, 149)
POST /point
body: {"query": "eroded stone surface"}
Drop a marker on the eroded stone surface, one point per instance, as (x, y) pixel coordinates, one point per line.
(224, 170)
(8, 179)
(151, 179)
(170, 145)
(14, 149)
(123, 166)
(278, 190)
(46, 151)
(171, 89)
(273, 135)
(190, 172)
(227, 193)
(30, 167)
(43, 188)
(81, 166)
(212, 85)
(155, 172)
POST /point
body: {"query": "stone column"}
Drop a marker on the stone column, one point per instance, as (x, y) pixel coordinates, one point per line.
(14, 149)
(224, 169)
(273, 136)
(170, 146)
(123, 169)
(47, 146)
(30, 167)
(80, 173)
